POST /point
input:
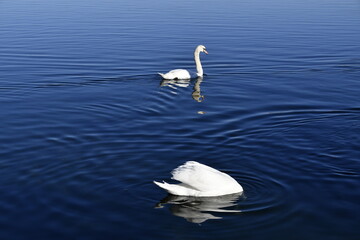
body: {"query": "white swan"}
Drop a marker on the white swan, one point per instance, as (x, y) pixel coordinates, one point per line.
(200, 180)
(185, 74)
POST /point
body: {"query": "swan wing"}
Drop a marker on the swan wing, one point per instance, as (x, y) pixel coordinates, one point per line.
(205, 179)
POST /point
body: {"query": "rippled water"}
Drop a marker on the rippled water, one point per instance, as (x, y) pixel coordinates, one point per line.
(87, 124)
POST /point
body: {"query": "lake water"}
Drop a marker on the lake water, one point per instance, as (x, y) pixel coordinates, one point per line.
(87, 124)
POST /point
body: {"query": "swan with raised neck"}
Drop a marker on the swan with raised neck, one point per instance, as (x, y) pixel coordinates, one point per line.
(185, 74)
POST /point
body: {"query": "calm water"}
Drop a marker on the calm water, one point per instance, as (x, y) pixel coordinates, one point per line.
(87, 124)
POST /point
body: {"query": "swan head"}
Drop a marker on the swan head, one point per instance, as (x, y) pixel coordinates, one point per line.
(201, 48)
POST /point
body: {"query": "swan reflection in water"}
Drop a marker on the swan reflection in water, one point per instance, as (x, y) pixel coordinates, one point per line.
(200, 209)
(174, 83)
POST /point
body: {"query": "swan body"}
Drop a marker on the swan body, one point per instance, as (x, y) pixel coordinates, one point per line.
(185, 74)
(177, 74)
(199, 180)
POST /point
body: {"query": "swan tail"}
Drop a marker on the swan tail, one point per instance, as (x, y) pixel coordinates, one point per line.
(176, 189)
(166, 186)
(162, 75)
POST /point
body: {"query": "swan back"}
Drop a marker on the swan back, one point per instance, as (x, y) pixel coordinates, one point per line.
(203, 178)
(176, 74)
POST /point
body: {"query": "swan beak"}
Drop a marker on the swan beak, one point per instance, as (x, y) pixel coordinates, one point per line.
(205, 51)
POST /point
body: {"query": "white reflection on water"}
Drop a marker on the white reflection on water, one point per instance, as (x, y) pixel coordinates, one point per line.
(183, 83)
(200, 209)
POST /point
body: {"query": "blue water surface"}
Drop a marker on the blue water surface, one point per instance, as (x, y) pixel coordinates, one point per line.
(87, 124)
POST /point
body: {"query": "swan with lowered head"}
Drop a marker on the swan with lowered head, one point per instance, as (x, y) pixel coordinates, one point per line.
(199, 180)
(185, 74)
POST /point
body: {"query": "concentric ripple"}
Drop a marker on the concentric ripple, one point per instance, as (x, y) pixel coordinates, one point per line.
(264, 202)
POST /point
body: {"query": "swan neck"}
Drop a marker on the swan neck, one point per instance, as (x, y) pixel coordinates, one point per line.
(199, 69)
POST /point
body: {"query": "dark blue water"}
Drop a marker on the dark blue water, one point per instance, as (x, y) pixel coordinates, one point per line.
(87, 124)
